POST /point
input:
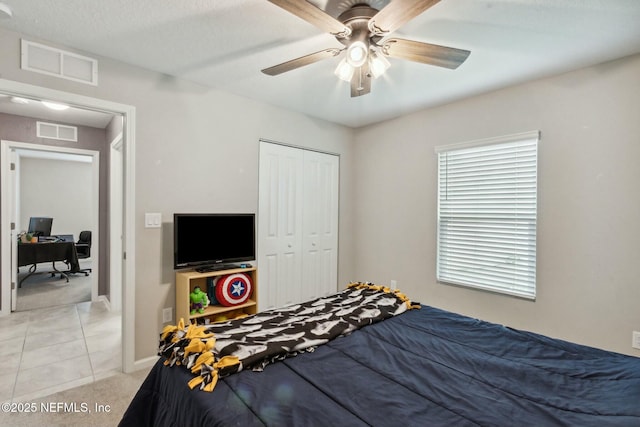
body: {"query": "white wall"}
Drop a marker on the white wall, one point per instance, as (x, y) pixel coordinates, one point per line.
(59, 189)
(197, 150)
(588, 270)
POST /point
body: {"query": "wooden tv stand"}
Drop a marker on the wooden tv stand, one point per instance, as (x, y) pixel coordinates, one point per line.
(186, 281)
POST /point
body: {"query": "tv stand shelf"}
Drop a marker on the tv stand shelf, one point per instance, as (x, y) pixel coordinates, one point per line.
(187, 280)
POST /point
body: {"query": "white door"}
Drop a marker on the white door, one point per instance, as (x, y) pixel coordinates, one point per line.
(12, 184)
(10, 228)
(320, 225)
(297, 225)
(279, 225)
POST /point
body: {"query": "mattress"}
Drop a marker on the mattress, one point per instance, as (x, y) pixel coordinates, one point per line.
(423, 367)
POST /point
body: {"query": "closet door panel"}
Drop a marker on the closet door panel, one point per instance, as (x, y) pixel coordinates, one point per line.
(280, 224)
(268, 279)
(311, 226)
(297, 225)
(320, 216)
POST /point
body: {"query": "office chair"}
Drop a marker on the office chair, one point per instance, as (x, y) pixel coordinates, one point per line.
(83, 248)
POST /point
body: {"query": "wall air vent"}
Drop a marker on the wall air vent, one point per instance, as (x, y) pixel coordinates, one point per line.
(55, 131)
(51, 61)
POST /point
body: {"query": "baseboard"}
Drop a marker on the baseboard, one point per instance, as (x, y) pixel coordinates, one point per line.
(145, 363)
(106, 301)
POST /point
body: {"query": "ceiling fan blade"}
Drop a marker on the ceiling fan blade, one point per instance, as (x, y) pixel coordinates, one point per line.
(302, 61)
(313, 15)
(396, 14)
(361, 81)
(432, 54)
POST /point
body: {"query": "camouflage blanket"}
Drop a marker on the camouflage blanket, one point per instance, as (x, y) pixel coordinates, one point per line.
(221, 349)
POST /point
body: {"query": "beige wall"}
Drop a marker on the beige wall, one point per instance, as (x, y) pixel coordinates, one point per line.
(588, 286)
(196, 150)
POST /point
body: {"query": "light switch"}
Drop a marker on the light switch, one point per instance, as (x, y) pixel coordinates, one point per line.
(152, 220)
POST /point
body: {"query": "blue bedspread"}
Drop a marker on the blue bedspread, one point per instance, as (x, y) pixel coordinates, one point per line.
(426, 367)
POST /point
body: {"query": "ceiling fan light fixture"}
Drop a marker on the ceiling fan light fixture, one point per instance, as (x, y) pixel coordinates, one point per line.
(362, 28)
(344, 70)
(378, 64)
(357, 54)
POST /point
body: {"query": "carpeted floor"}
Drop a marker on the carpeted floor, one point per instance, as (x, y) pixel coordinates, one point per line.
(42, 290)
(101, 403)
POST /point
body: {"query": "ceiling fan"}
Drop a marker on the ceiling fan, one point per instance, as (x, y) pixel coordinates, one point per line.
(362, 30)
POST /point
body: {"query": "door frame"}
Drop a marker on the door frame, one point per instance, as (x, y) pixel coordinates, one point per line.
(115, 220)
(19, 148)
(129, 254)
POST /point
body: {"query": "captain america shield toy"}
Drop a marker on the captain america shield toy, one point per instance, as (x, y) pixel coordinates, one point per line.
(233, 289)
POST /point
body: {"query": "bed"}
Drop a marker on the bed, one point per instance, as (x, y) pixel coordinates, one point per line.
(416, 367)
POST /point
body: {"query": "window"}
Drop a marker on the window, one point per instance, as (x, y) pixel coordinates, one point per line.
(487, 193)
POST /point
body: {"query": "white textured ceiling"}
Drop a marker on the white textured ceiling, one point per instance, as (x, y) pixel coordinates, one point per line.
(225, 43)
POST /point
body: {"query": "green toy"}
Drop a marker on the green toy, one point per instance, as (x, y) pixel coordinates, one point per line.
(199, 300)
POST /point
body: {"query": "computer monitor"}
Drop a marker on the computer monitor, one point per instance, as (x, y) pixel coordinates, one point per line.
(40, 226)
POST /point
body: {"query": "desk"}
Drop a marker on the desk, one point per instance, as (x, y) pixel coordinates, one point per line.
(34, 253)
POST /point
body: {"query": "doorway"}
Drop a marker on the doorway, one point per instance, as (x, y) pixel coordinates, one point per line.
(62, 184)
(128, 206)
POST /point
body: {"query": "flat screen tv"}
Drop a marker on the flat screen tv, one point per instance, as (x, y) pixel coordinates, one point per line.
(211, 241)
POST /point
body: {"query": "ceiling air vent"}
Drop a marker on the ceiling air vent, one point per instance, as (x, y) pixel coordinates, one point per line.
(55, 131)
(48, 60)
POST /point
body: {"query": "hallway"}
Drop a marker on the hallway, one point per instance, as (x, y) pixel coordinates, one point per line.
(48, 350)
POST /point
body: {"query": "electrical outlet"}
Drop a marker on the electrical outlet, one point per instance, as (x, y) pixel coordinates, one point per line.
(167, 315)
(635, 343)
(393, 284)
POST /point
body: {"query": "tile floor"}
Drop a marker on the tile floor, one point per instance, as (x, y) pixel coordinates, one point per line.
(48, 350)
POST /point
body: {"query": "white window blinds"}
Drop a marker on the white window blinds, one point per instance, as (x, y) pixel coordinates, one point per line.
(487, 193)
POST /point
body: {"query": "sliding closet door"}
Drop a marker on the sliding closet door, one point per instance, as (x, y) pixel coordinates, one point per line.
(297, 225)
(320, 225)
(279, 225)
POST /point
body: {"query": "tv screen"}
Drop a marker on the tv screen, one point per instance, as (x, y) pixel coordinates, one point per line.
(40, 226)
(212, 239)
